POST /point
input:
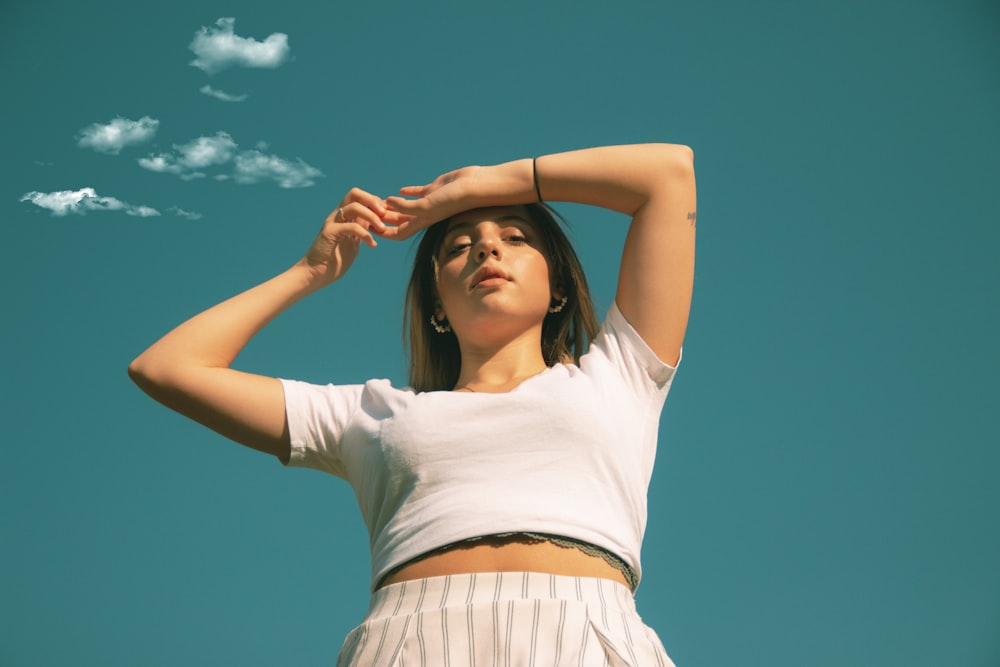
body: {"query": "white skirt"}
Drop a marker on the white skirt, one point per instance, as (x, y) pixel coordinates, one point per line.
(508, 619)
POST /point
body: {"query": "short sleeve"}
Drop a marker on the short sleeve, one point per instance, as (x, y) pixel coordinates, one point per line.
(619, 346)
(317, 417)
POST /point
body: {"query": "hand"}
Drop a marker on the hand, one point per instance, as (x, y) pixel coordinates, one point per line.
(336, 246)
(460, 190)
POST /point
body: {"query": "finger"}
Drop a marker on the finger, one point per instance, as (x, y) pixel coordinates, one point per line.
(361, 233)
(374, 202)
(395, 217)
(414, 190)
(409, 206)
(403, 230)
(356, 197)
(361, 213)
(362, 196)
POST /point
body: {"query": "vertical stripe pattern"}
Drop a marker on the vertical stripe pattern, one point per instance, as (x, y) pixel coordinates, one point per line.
(503, 619)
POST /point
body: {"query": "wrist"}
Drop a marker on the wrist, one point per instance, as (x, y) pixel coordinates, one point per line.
(517, 183)
(304, 278)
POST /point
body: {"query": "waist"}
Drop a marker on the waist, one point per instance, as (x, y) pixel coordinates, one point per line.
(464, 590)
(515, 552)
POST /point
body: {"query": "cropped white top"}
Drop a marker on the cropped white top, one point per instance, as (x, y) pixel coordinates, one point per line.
(568, 452)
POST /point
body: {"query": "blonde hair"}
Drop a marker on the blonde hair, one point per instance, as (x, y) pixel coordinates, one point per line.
(435, 358)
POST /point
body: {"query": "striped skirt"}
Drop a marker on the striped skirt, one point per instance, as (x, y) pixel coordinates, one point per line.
(508, 619)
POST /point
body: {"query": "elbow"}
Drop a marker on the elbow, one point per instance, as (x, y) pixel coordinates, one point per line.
(147, 376)
(138, 372)
(677, 157)
(688, 158)
(668, 167)
(664, 164)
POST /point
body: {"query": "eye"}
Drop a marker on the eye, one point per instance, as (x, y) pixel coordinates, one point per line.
(516, 239)
(457, 247)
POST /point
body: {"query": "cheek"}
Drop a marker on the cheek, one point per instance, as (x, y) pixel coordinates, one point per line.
(544, 269)
(447, 281)
(541, 279)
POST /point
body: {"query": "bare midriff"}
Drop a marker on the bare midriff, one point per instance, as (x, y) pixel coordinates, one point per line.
(507, 554)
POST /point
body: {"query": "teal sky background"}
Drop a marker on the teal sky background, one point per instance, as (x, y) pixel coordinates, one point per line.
(826, 488)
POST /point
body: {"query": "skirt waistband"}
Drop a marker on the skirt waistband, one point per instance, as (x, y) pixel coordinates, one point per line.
(417, 595)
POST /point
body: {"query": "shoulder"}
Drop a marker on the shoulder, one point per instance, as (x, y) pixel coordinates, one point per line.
(618, 348)
(319, 416)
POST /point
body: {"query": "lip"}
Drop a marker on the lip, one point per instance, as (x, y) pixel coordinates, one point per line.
(489, 276)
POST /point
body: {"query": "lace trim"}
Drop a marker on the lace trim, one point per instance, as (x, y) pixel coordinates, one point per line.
(566, 542)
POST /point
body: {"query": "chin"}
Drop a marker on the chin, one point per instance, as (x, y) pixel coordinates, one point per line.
(497, 324)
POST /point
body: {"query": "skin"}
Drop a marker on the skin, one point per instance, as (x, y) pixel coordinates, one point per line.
(498, 324)
(498, 321)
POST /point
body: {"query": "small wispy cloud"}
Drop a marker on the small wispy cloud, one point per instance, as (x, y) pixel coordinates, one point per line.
(220, 47)
(254, 166)
(222, 95)
(188, 161)
(80, 201)
(120, 132)
(181, 213)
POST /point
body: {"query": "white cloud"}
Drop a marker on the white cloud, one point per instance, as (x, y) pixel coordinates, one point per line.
(161, 163)
(219, 48)
(120, 132)
(207, 151)
(254, 166)
(222, 95)
(142, 211)
(188, 159)
(181, 213)
(80, 201)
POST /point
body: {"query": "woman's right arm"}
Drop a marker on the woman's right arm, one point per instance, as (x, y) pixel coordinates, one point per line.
(188, 370)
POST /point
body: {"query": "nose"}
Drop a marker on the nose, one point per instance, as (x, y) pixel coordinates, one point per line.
(488, 247)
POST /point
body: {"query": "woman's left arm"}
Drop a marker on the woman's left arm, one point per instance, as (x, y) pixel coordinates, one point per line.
(655, 185)
(652, 183)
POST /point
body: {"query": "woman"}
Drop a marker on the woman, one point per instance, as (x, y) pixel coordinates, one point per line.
(505, 489)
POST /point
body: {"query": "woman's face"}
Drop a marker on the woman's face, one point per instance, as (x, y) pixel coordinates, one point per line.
(493, 274)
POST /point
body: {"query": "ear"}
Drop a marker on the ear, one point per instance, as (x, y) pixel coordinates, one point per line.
(558, 293)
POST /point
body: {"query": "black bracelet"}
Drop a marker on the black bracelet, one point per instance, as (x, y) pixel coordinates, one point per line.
(534, 175)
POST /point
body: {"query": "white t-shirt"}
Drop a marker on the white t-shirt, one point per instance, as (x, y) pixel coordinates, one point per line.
(568, 452)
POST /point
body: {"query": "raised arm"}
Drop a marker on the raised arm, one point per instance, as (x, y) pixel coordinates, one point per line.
(652, 183)
(188, 370)
(655, 185)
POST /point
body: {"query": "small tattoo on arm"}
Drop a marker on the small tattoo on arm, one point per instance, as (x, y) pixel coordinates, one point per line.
(693, 217)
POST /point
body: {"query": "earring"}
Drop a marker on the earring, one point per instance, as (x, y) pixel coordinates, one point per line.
(558, 308)
(439, 326)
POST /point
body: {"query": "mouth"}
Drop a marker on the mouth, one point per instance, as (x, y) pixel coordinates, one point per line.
(489, 277)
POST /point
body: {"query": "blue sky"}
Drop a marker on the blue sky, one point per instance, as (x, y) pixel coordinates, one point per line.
(825, 491)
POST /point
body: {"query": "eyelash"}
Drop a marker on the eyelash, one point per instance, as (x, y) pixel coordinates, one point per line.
(516, 239)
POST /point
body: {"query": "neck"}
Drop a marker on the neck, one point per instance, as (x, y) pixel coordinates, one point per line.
(500, 369)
